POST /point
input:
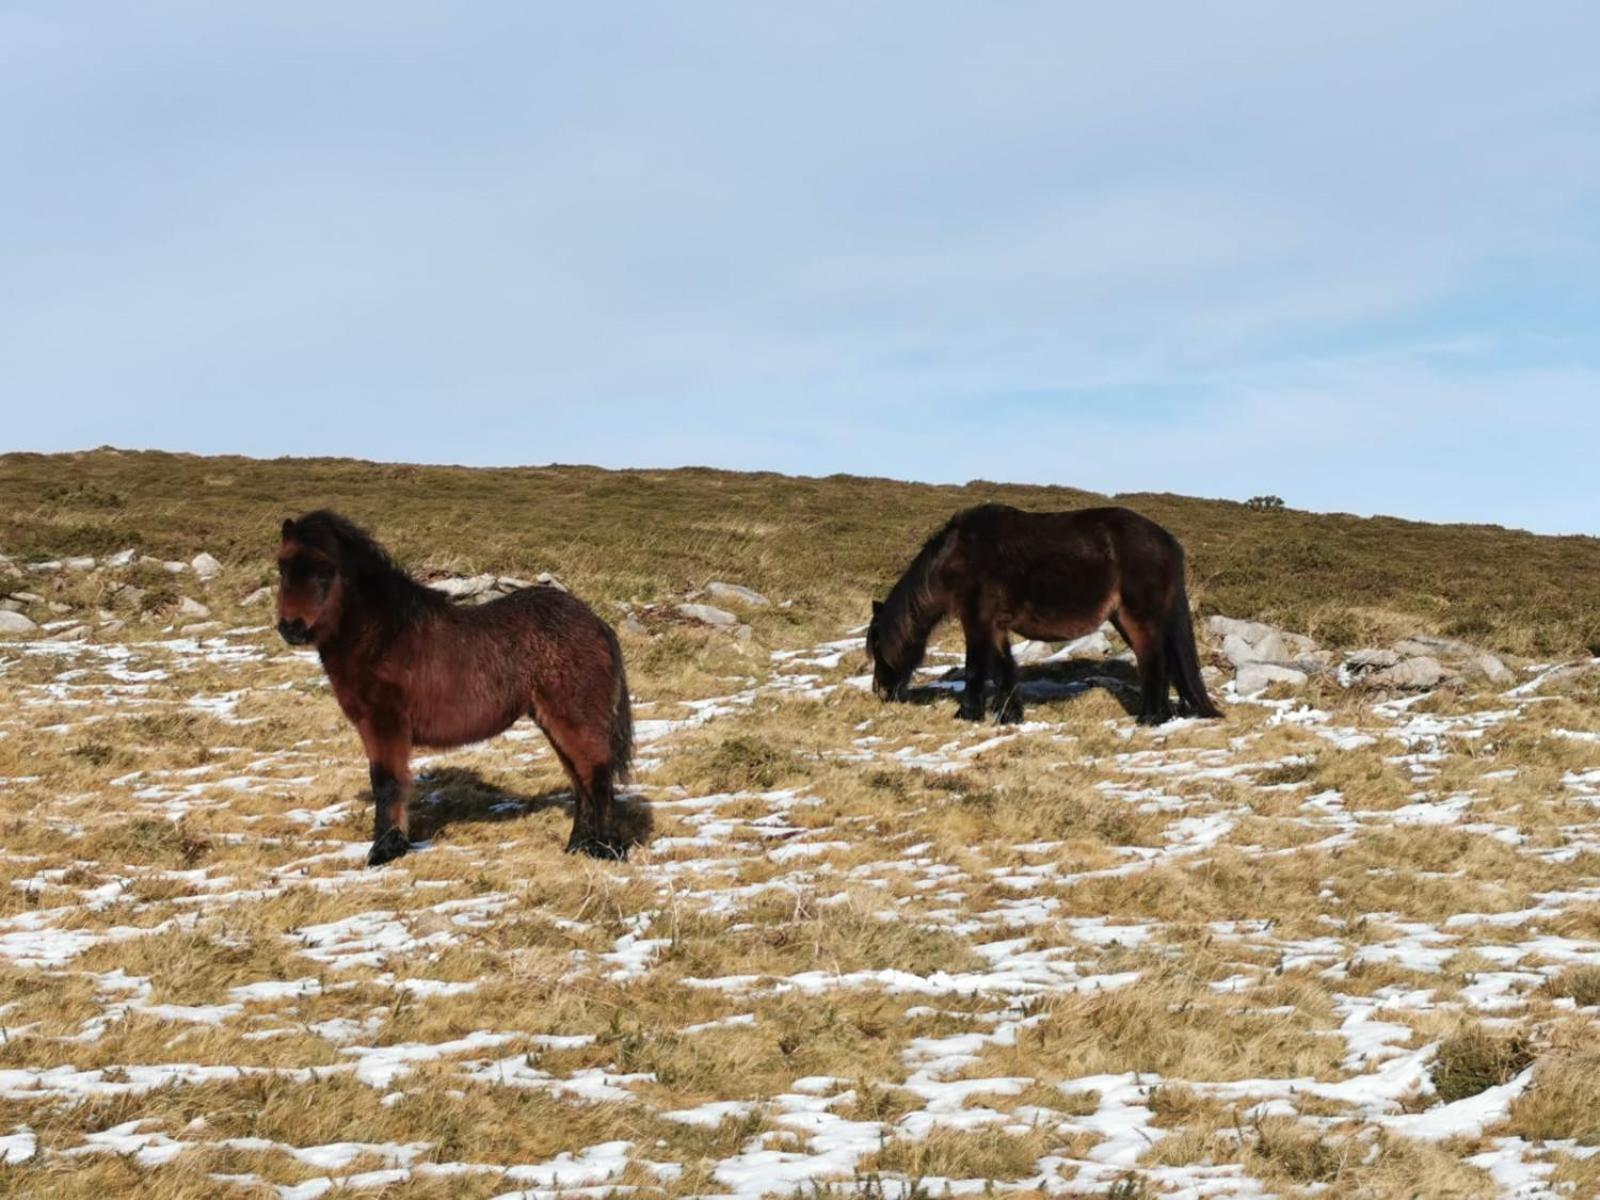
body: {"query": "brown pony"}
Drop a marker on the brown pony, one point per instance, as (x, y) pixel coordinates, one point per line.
(411, 668)
(1050, 577)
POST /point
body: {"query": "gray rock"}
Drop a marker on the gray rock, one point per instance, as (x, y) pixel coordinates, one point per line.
(1221, 628)
(742, 632)
(59, 608)
(260, 596)
(707, 615)
(192, 608)
(1026, 652)
(205, 566)
(122, 558)
(11, 605)
(1238, 651)
(465, 588)
(548, 580)
(1363, 661)
(14, 623)
(632, 624)
(28, 597)
(175, 568)
(732, 593)
(1412, 675)
(1426, 645)
(1491, 668)
(50, 565)
(128, 594)
(82, 562)
(1256, 678)
(200, 627)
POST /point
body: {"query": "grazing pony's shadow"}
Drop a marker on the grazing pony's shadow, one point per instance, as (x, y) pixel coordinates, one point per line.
(1045, 682)
(448, 796)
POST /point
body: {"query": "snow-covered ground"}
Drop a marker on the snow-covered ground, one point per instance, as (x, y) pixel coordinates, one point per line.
(919, 948)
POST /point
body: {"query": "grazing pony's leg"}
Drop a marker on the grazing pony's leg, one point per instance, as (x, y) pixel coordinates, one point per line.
(1147, 637)
(1007, 700)
(583, 747)
(389, 768)
(980, 649)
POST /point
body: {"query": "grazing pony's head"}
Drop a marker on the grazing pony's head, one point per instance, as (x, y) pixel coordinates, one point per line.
(889, 677)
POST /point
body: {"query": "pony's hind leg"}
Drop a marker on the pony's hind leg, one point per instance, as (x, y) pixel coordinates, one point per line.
(1148, 640)
(585, 756)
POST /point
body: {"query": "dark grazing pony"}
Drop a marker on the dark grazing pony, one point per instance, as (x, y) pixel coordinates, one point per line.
(411, 668)
(1050, 577)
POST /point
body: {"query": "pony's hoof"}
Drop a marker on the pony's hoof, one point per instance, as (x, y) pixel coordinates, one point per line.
(390, 845)
(969, 714)
(595, 846)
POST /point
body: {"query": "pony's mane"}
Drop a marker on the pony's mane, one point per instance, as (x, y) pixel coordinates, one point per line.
(914, 606)
(376, 576)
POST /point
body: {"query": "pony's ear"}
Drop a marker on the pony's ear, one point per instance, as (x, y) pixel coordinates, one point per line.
(877, 607)
(288, 528)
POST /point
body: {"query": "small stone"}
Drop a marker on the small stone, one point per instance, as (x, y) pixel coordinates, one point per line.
(175, 568)
(14, 623)
(192, 608)
(11, 605)
(546, 579)
(1426, 645)
(1251, 631)
(742, 633)
(733, 593)
(1258, 677)
(1026, 653)
(1492, 669)
(28, 597)
(59, 608)
(200, 627)
(632, 624)
(464, 587)
(83, 562)
(128, 594)
(122, 558)
(1413, 675)
(50, 565)
(259, 596)
(1363, 661)
(205, 566)
(707, 615)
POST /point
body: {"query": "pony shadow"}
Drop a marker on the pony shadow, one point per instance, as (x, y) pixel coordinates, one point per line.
(1041, 683)
(448, 796)
(1045, 683)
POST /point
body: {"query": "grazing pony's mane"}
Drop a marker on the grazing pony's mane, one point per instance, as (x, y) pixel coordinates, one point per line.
(366, 565)
(914, 606)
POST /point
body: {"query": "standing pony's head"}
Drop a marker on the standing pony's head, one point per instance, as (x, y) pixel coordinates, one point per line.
(888, 677)
(310, 582)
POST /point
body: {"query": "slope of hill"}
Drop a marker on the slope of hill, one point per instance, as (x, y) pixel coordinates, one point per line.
(827, 544)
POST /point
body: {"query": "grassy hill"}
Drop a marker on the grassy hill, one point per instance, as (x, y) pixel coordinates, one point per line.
(828, 544)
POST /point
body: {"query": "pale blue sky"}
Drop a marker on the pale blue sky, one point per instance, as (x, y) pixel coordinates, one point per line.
(1347, 253)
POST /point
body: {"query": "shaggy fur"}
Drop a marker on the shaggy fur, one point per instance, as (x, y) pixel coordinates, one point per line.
(411, 668)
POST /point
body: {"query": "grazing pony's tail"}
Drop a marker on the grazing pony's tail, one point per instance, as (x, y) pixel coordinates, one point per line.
(1184, 656)
(621, 715)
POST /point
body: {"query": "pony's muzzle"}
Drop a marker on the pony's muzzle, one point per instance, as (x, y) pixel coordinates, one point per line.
(295, 632)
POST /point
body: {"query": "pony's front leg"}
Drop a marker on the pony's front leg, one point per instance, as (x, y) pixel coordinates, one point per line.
(1007, 700)
(975, 678)
(389, 768)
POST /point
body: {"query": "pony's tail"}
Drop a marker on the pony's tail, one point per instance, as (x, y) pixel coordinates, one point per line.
(1185, 657)
(621, 714)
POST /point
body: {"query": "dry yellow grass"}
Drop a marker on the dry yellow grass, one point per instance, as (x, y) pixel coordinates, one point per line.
(864, 947)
